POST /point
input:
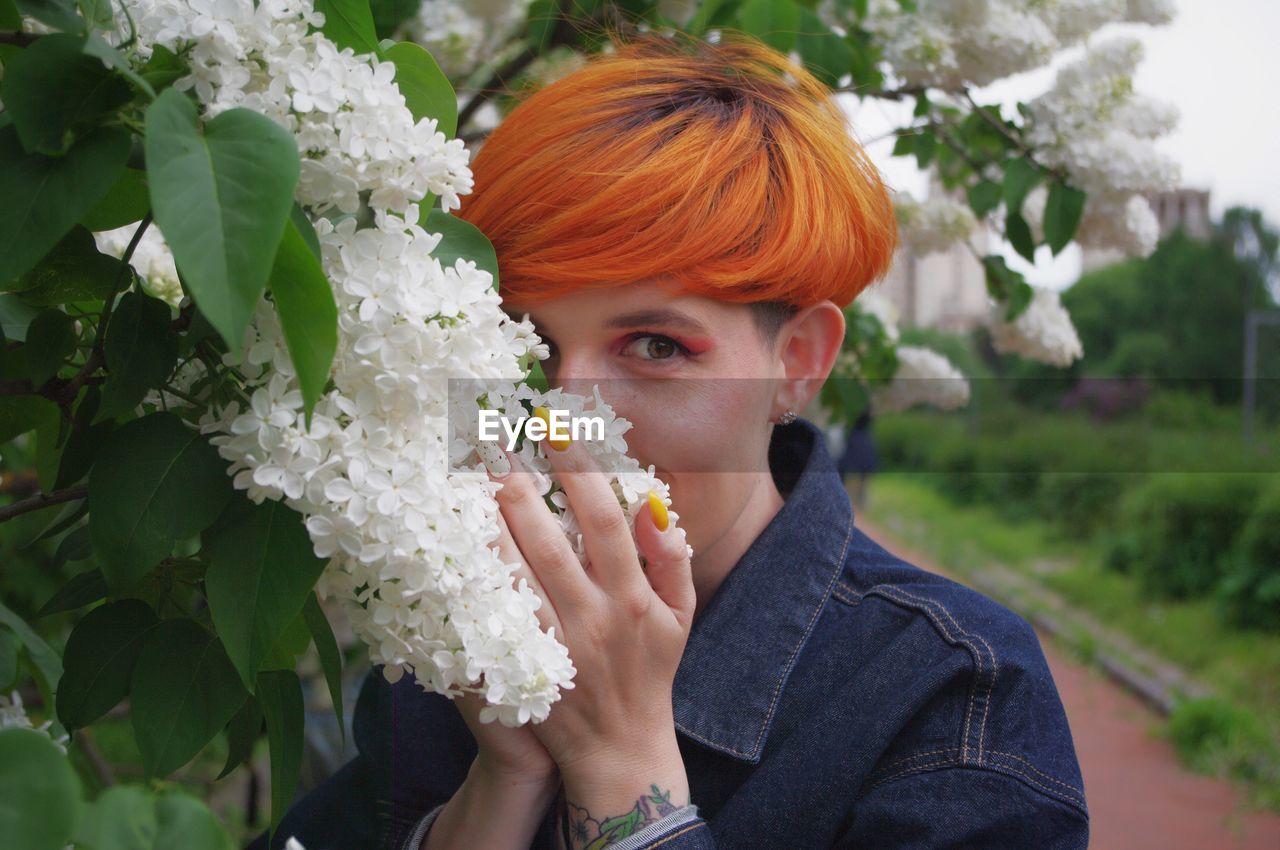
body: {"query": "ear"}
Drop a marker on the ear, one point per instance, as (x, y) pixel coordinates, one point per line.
(809, 343)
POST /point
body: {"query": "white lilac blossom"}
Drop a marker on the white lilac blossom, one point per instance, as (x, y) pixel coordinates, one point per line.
(934, 224)
(1093, 126)
(151, 259)
(877, 304)
(956, 43)
(461, 33)
(1043, 331)
(13, 715)
(923, 376)
(401, 508)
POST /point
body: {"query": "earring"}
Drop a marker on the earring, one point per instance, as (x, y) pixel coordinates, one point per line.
(787, 417)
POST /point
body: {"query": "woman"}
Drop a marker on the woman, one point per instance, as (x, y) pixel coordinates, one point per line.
(684, 222)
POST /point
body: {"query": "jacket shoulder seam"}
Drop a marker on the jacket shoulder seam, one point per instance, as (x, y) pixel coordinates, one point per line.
(986, 665)
(1026, 773)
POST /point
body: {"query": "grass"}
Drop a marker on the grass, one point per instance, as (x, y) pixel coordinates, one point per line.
(1235, 733)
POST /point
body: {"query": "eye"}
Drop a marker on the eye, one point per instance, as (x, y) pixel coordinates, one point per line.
(654, 347)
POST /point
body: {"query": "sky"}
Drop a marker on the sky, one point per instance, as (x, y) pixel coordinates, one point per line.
(1218, 61)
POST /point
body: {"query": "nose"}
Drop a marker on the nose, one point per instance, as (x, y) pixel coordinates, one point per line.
(575, 370)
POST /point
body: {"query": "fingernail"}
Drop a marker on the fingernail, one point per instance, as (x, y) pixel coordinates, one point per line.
(545, 415)
(658, 510)
(495, 459)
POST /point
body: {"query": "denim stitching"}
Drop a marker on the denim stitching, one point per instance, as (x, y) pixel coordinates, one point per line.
(979, 679)
(1044, 775)
(808, 629)
(676, 835)
(777, 690)
(906, 759)
(986, 700)
(854, 597)
(921, 768)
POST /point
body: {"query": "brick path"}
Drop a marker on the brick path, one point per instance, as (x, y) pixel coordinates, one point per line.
(1138, 794)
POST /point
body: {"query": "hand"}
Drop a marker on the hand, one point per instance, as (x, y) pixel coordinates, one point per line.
(625, 626)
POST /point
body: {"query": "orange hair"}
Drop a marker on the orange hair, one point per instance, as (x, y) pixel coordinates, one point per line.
(704, 164)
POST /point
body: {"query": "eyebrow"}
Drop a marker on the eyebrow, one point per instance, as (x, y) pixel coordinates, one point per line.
(656, 317)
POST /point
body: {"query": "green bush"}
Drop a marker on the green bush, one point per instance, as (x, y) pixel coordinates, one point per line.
(1186, 525)
(1250, 591)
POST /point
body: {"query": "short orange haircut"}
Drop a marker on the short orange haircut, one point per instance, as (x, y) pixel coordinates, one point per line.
(699, 162)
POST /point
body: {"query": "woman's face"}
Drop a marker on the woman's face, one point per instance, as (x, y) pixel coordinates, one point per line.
(693, 375)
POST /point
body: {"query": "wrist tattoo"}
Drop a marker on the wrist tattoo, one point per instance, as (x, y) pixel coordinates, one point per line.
(583, 831)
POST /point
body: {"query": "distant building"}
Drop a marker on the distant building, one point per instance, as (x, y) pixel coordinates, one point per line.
(1187, 209)
(945, 290)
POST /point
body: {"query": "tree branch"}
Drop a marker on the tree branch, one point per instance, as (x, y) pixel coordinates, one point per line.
(43, 500)
(21, 39)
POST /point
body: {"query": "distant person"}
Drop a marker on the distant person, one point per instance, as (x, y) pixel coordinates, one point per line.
(859, 458)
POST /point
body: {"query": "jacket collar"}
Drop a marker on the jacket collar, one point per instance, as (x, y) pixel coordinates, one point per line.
(745, 643)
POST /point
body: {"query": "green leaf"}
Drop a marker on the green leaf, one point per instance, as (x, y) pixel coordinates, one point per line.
(222, 201)
(85, 440)
(45, 196)
(293, 641)
(97, 13)
(186, 822)
(298, 216)
(184, 690)
(1019, 235)
(826, 55)
(330, 656)
(262, 569)
(155, 482)
(47, 663)
(461, 240)
(22, 413)
(50, 435)
(85, 91)
(280, 693)
(1062, 214)
(76, 546)
(9, 647)
(141, 348)
(51, 339)
(97, 47)
(308, 314)
(99, 660)
(772, 21)
(1020, 295)
(126, 201)
(58, 14)
(1000, 278)
(242, 734)
(15, 317)
(80, 591)
(163, 68)
(542, 17)
(984, 196)
(73, 271)
(40, 801)
(1020, 177)
(349, 23)
(122, 818)
(10, 17)
(427, 91)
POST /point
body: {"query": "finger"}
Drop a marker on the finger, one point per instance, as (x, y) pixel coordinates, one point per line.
(667, 564)
(540, 540)
(510, 554)
(606, 531)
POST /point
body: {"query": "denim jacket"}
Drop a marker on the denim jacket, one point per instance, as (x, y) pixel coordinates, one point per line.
(831, 695)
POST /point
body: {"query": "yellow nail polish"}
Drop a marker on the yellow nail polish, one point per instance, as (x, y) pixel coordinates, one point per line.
(545, 415)
(658, 510)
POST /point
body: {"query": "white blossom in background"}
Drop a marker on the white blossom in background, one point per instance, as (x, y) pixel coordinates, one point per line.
(13, 715)
(151, 259)
(1095, 127)
(402, 509)
(934, 224)
(460, 34)
(1149, 11)
(879, 305)
(1041, 332)
(924, 376)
